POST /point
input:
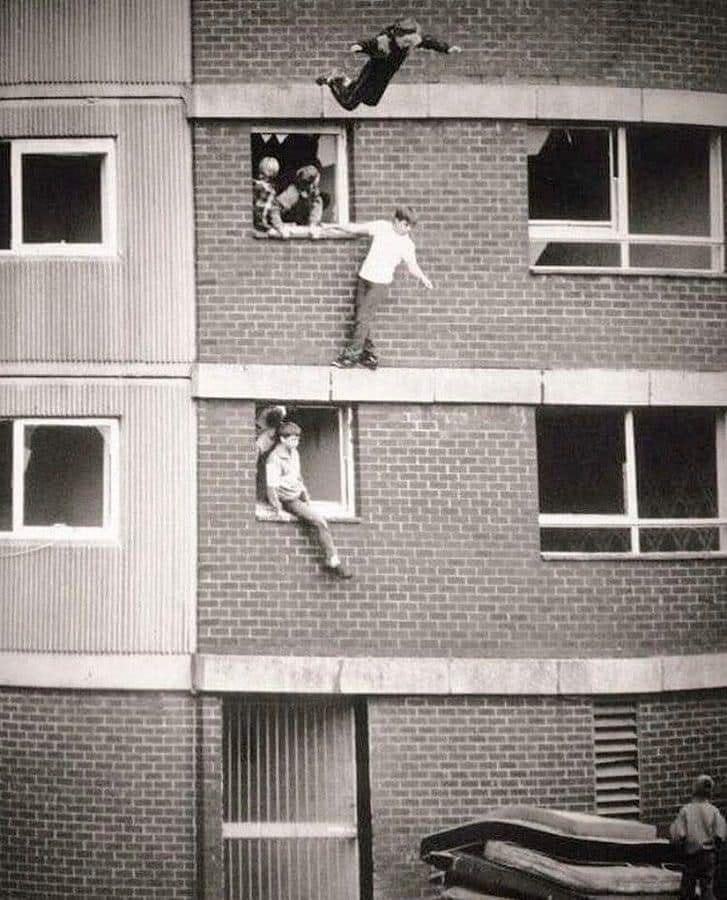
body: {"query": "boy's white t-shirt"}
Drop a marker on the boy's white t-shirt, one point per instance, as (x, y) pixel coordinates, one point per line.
(388, 248)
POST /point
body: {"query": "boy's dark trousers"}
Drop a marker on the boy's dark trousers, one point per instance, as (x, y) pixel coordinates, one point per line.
(368, 297)
(699, 870)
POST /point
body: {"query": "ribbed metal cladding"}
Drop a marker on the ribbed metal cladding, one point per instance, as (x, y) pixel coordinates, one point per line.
(138, 305)
(290, 820)
(95, 40)
(616, 756)
(138, 594)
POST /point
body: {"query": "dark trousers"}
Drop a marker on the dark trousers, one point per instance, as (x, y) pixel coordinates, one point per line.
(699, 870)
(368, 298)
(304, 511)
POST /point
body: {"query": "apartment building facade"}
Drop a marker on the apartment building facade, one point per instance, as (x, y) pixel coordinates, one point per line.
(531, 490)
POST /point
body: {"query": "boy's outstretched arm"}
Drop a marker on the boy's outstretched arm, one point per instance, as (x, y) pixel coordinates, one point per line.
(429, 42)
(413, 267)
(349, 227)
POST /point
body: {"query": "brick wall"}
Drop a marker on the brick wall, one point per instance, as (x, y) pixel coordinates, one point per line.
(681, 736)
(276, 302)
(436, 763)
(446, 554)
(655, 43)
(97, 796)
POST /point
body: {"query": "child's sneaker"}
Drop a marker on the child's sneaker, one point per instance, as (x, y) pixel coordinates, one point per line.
(369, 360)
(344, 360)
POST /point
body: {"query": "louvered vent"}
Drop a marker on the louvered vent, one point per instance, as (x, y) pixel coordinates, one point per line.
(616, 759)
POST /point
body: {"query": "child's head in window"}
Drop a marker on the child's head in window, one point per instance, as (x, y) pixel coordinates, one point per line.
(289, 434)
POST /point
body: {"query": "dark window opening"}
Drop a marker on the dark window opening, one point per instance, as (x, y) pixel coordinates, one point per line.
(5, 195)
(676, 463)
(64, 476)
(292, 152)
(571, 253)
(585, 540)
(6, 476)
(668, 177)
(62, 199)
(581, 455)
(569, 176)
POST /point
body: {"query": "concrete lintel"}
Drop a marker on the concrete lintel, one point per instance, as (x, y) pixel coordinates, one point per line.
(671, 388)
(256, 100)
(375, 675)
(603, 387)
(383, 386)
(487, 386)
(269, 674)
(504, 676)
(260, 382)
(93, 90)
(610, 676)
(86, 671)
(685, 107)
(463, 100)
(581, 102)
(690, 673)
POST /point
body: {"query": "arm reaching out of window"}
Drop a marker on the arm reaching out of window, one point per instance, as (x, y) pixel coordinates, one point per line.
(356, 228)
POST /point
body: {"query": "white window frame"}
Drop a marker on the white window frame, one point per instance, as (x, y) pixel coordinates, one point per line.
(616, 230)
(63, 147)
(109, 529)
(346, 507)
(631, 520)
(342, 184)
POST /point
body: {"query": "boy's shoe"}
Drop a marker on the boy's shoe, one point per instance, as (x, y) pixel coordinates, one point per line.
(322, 79)
(338, 571)
(369, 360)
(344, 361)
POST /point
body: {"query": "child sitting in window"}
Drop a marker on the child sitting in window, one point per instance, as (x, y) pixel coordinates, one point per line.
(288, 494)
(301, 203)
(263, 193)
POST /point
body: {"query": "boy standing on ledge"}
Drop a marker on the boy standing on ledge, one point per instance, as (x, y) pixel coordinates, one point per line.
(391, 245)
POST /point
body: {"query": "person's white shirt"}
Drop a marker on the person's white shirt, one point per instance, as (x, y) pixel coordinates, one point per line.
(388, 249)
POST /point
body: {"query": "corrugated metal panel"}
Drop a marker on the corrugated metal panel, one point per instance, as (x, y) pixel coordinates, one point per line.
(136, 41)
(139, 595)
(616, 756)
(290, 819)
(138, 306)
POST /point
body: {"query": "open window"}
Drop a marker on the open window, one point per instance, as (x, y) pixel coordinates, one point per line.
(58, 478)
(57, 197)
(646, 198)
(326, 459)
(294, 150)
(643, 481)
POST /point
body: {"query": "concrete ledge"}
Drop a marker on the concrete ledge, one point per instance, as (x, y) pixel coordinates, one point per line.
(596, 386)
(462, 100)
(85, 90)
(257, 382)
(79, 671)
(526, 387)
(439, 676)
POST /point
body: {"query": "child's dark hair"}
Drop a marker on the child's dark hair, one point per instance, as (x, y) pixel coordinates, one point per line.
(703, 787)
(405, 214)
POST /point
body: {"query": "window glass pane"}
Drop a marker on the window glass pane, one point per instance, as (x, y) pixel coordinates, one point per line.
(668, 180)
(585, 540)
(320, 453)
(678, 540)
(292, 152)
(62, 199)
(676, 463)
(64, 475)
(6, 476)
(569, 176)
(580, 461)
(669, 256)
(4, 196)
(575, 254)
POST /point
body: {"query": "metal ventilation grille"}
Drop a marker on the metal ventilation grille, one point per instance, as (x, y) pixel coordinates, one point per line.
(616, 759)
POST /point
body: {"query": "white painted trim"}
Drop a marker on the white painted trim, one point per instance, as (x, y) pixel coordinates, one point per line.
(287, 830)
(467, 100)
(520, 387)
(88, 671)
(438, 676)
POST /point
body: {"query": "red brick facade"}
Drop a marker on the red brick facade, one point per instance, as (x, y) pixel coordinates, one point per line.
(657, 43)
(270, 302)
(446, 554)
(98, 795)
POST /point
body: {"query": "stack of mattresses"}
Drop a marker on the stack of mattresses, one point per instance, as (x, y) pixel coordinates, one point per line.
(531, 853)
